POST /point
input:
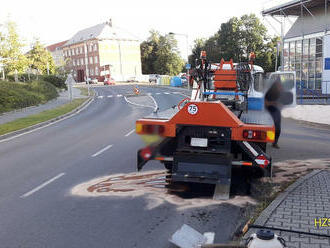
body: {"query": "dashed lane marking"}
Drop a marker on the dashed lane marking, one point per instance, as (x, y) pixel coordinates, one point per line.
(100, 97)
(119, 95)
(101, 151)
(129, 133)
(158, 93)
(109, 96)
(166, 93)
(42, 185)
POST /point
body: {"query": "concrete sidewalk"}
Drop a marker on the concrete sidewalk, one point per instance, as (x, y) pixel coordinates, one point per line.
(304, 206)
(63, 98)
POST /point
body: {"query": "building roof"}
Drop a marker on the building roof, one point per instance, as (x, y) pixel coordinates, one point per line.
(53, 47)
(292, 8)
(101, 31)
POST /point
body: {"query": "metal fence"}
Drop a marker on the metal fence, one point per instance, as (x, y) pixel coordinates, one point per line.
(306, 95)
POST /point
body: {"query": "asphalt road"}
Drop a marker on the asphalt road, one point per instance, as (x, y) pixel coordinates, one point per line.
(38, 171)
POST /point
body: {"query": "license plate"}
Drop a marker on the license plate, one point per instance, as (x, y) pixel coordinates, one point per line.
(198, 142)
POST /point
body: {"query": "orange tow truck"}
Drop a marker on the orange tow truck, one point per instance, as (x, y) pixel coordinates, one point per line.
(206, 136)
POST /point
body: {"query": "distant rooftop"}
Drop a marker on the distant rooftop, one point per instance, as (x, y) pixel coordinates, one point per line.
(101, 31)
(53, 47)
(292, 8)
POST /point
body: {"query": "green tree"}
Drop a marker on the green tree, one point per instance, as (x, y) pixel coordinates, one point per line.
(159, 55)
(11, 50)
(41, 59)
(236, 39)
(199, 45)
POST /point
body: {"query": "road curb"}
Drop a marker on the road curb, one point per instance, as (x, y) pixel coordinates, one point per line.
(266, 213)
(41, 124)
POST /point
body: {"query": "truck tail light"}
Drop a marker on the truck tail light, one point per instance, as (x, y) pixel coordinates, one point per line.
(262, 161)
(146, 153)
(254, 134)
(150, 129)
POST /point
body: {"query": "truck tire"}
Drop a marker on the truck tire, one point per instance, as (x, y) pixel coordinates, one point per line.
(168, 165)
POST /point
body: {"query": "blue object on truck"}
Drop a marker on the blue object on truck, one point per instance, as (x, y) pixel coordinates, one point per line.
(256, 103)
(176, 82)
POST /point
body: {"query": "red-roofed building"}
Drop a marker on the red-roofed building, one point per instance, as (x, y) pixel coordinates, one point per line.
(57, 52)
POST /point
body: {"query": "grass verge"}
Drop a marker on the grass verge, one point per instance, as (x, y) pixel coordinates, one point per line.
(41, 117)
(83, 91)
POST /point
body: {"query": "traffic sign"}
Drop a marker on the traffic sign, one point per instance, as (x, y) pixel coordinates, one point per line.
(188, 66)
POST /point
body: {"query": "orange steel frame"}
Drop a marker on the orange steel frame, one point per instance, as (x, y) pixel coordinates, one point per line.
(214, 114)
(225, 79)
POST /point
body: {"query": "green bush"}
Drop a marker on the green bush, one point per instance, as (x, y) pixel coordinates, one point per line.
(57, 81)
(20, 95)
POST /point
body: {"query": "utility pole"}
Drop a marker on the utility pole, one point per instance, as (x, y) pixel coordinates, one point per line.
(120, 60)
(86, 67)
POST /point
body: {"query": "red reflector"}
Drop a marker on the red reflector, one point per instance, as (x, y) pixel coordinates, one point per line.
(254, 134)
(262, 161)
(146, 153)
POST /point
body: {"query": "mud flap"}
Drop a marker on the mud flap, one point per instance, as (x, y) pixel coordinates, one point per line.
(221, 191)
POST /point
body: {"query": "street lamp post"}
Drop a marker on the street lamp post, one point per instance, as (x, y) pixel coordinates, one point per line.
(187, 50)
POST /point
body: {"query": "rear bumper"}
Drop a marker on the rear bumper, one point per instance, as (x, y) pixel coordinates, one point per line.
(202, 168)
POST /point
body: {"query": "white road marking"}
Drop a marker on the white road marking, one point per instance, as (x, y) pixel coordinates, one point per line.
(166, 93)
(102, 150)
(100, 97)
(129, 133)
(110, 96)
(156, 105)
(136, 104)
(149, 94)
(176, 92)
(158, 93)
(42, 185)
(119, 95)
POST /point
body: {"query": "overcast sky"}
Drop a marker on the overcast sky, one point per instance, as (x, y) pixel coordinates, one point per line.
(55, 21)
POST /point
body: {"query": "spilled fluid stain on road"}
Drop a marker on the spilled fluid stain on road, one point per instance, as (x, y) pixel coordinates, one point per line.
(157, 188)
(154, 185)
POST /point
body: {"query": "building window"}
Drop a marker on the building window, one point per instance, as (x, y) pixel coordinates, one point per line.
(95, 47)
(81, 61)
(91, 72)
(74, 62)
(91, 47)
(91, 60)
(86, 61)
(318, 63)
(78, 62)
(69, 52)
(81, 50)
(95, 60)
(72, 51)
(96, 71)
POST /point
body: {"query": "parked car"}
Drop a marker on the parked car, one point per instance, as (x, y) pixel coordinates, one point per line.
(184, 80)
(92, 81)
(109, 81)
(153, 78)
(132, 79)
